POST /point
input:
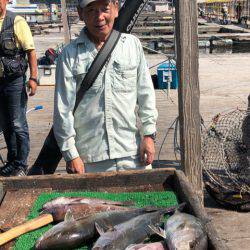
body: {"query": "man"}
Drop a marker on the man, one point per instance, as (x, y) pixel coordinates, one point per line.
(102, 134)
(239, 12)
(224, 11)
(15, 42)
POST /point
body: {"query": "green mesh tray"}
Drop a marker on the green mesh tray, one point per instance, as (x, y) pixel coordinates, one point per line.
(27, 241)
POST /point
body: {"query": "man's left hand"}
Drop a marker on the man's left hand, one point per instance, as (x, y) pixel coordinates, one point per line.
(32, 85)
(147, 150)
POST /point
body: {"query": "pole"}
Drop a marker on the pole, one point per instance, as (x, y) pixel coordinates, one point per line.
(188, 92)
(65, 22)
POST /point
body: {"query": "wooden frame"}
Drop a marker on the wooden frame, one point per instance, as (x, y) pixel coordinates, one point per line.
(19, 193)
(188, 91)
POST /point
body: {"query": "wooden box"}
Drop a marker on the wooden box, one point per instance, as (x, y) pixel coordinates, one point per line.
(19, 193)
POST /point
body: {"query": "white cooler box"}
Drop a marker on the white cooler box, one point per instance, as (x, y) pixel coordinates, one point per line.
(46, 74)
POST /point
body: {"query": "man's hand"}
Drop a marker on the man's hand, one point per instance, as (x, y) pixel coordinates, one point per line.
(32, 85)
(147, 150)
(75, 166)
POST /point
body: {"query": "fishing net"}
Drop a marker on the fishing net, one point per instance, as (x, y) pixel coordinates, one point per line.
(226, 159)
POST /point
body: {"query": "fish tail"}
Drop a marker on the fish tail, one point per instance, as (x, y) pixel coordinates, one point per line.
(158, 231)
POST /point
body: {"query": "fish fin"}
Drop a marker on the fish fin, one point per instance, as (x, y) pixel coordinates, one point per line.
(195, 242)
(149, 209)
(69, 216)
(99, 229)
(102, 228)
(181, 207)
(158, 231)
(42, 211)
(128, 203)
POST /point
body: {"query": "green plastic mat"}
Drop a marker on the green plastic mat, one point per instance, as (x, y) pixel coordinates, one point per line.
(27, 241)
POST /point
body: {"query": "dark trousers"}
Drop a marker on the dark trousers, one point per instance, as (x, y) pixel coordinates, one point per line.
(48, 158)
(13, 105)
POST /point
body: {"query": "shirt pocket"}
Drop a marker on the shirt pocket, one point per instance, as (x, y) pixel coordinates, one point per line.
(125, 76)
(79, 73)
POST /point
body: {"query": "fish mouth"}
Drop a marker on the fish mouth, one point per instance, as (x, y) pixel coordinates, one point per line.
(97, 248)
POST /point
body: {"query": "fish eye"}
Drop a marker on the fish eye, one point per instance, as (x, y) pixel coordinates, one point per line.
(107, 247)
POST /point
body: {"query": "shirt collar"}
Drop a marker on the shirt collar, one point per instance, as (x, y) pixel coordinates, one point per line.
(83, 39)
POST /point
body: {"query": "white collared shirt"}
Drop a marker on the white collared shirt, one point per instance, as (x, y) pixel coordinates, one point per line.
(104, 125)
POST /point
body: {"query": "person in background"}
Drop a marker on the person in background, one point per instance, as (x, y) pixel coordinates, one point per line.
(224, 11)
(16, 43)
(102, 134)
(238, 12)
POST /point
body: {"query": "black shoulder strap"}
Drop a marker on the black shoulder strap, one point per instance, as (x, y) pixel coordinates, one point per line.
(8, 22)
(128, 14)
(127, 17)
(97, 65)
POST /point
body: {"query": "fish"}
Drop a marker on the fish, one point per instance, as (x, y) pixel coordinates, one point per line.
(149, 246)
(82, 200)
(183, 232)
(80, 210)
(133, 231)
(73, 233)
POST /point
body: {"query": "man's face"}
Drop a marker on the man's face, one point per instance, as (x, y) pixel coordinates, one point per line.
(3, 6)
(99, 17)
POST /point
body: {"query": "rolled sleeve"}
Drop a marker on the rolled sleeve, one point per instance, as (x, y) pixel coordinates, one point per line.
(65, 96)
(71, 153)
(146, 96)
(23, 34)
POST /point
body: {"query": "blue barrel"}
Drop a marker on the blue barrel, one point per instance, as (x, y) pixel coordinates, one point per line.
(165, 71)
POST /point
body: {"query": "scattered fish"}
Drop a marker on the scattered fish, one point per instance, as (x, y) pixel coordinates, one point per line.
(134, 231)
(150, 246)
(80, 210)
(82, 200)
(73, 233)
(183, 232)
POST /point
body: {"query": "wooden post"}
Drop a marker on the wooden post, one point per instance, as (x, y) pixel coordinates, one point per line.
(189, 93)
(65, 22)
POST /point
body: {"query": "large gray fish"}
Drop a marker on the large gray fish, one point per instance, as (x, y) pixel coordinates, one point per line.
(73, 233)
(183, 232)
(80, 210)
(81, 200)
(134, 231)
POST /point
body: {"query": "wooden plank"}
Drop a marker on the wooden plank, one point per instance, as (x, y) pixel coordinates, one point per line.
(154, 23)
(127, 180)
(202, 37)
(186, 193)
(170, 29)
(155, 14)
(15, 208)
(65, 22)
(188, 91)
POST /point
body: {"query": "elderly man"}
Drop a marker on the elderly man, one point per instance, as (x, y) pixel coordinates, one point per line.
(15, 43)
(102, 134)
